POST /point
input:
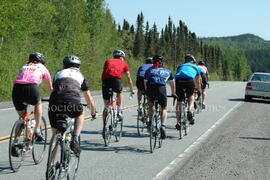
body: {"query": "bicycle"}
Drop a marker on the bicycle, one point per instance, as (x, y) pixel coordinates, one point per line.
(23, 140)
(62, 161)
(142, 117)
(184, 122)
(111, 116)
(154, 129)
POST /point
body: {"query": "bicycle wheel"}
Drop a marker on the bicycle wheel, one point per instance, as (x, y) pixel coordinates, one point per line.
(118, 130)
(152, 136)
(140, 124)
(16, 145)
(74, 160)
(54, 163)
(108, 128)
(39, 147)
(185, 124)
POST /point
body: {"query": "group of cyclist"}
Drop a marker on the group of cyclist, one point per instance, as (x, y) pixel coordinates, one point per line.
(189, 79)
(68, 82)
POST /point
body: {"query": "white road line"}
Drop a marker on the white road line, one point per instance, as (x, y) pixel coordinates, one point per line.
(171, 168)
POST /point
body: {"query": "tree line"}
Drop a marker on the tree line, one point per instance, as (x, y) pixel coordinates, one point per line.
(86, 28)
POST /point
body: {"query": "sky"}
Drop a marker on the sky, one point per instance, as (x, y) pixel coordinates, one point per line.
(207, 18)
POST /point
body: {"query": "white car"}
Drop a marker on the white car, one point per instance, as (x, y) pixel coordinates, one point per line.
(258, 86)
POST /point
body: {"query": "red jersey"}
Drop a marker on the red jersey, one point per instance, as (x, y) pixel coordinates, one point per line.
(113, 68)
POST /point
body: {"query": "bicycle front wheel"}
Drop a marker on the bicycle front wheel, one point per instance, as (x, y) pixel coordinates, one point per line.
(74, 160)
(16, 145)
(54, 163)
(39, 147)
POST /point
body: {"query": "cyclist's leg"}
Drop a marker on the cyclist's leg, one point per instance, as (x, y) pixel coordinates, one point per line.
(38, 114)
(180, 96)
(162, 99)
(106, 85)
(140, 88)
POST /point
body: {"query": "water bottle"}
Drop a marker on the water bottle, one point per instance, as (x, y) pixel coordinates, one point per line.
(68, 137)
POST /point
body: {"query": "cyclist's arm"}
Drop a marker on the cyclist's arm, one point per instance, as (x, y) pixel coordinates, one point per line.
(145, 84)
(129, 80)
(172, 85)
(197, 82)
(49, 85)
(90, 102)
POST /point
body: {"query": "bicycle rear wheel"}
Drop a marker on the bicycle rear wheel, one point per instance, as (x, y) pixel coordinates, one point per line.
(152, 136)
(16, 145)
(140, 124)
(108, 128)
(54, 163)
(74, 160)
(39, 147)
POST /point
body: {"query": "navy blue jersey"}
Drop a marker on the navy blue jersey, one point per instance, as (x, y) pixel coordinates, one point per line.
(158, 76)
(142, 69)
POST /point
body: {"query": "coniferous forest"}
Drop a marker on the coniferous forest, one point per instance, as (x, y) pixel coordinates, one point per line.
(86, 28)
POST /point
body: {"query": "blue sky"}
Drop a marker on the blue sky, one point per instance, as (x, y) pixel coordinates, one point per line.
(207, 18)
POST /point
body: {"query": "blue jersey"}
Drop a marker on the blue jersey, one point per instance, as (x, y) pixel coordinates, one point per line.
(142, 69)
(158, 76)
(187, 71)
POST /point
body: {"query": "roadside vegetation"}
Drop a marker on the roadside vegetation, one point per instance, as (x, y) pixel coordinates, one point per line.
(86, 28)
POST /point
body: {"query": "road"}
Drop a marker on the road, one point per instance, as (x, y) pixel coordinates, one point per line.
(130, 158)
(239, 149)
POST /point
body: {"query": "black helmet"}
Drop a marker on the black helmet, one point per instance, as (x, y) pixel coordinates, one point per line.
(158, 58)
(201, 63)
(190, 58)
(149, 60)
(71, 61)
(37, 57)
(119, 54)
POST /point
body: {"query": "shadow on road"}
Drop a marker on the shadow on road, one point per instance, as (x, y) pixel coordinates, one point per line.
(256, 138)
(265, 101)
(237, 99)
(5, 168)
(96, 145)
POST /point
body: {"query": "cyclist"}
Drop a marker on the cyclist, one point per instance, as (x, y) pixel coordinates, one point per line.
(111, 79)
(205, 79)
(140, 79)
(187, 79)
(65, 98)
(155, 85)
(26, 91)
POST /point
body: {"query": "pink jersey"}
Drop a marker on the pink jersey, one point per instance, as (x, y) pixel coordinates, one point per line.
(33, 73)
(204, 68)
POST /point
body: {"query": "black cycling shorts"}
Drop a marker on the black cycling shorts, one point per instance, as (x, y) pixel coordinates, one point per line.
(23, 94)
(58, 108)
(113, 83)
(140, 84)
(203, 85)
(157, 92)
(184, 85)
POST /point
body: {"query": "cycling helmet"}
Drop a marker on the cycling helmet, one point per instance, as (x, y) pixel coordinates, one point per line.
(201, 63)
(37, 57)
(158, 58)
(149, 60)
(190, 58)
(71, 61)
(119, 54)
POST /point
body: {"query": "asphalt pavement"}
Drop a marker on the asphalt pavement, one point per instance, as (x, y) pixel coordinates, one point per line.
(131, 158)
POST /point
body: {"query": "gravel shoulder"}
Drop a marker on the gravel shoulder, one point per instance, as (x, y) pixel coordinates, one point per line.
(238, 149)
